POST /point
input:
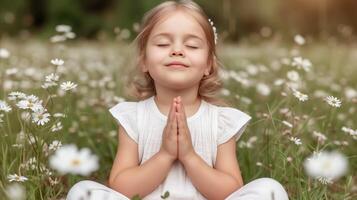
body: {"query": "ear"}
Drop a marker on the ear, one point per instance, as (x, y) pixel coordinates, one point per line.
(209, 65)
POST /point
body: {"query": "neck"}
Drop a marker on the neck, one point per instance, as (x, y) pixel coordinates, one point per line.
(189, 98)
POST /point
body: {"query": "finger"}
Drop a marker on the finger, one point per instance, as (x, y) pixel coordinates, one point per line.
(174, 124)
(179, 122)
(171, 114)
(182, 110)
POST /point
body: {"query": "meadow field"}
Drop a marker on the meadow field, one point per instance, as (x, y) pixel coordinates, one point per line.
(302, 95)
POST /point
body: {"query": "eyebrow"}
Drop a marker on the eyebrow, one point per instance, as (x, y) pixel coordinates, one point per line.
(186, 35)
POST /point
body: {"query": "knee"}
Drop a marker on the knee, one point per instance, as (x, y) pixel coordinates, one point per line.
(79, 190)
(271, 188)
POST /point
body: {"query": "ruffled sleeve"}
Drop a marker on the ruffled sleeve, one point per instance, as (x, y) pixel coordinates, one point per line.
(231, 123)
(125, 113)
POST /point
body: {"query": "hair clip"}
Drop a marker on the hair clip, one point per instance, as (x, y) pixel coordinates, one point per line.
(214, 31)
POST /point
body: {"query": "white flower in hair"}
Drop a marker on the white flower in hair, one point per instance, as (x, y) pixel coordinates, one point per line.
(214, 31)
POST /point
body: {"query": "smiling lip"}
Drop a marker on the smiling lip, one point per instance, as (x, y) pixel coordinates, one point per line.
(176, 64)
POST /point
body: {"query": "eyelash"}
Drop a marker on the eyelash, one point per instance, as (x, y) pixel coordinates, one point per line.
(164, 45)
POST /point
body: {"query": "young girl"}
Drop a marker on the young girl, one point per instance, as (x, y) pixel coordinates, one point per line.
(178, 138)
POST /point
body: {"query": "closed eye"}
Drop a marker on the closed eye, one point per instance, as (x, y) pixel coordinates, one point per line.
(192, 47)
(162, 45)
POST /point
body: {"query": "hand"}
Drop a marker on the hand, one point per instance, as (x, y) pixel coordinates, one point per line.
(185, 147)
(169, 136)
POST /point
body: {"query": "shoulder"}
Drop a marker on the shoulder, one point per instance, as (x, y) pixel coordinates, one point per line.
(125, 106)
(231, 122)
(230, 113)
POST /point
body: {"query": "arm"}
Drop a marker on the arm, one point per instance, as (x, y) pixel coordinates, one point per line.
(225, 178)
(130, 178)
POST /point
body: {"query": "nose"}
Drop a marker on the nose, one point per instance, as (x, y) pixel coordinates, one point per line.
(177, 53)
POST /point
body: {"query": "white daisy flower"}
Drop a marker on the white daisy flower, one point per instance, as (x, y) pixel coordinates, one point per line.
(68, 159)
(4, 106)
(58, 38)
(4, 53)
(324, 180)
(263, 89)
(300, 96)
(31, 163)
(57, 62)
(63, 28)
(349, 131)
(326, 165)
(56, 127)
(300, 40)
(55, 145)
(70, 35)
(297, 141)
(300, 62)
(52, 77)
(320, 137)
(16, 178)
(16, 95)
(11, 71)
(68, 85)
(15, 191)
(333, 101)
(40, 118)
(293, 75)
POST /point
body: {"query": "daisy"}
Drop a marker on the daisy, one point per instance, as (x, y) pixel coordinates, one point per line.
(16, 95)
(263, 89)
(4, 53)
(320, 137)
(56, 127)
(300, 62)
(300, 40)
(30, 102)
(68, 159)
(300, 96)
(293, 75)
(63, 28)
(4, 106)
(40, 118)
(55, 145)
(324, 180)
(70, 35)
(68, 85)
(349, 131)
(15, 191)
(57, 62)
(326, 165)
(333, 101)
(297, 141)
(58, 38)
(52, 77)
(17, 178)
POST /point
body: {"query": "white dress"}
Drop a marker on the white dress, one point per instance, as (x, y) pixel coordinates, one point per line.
(210, 126)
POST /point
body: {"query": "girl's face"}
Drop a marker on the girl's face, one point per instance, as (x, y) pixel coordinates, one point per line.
(177, 38)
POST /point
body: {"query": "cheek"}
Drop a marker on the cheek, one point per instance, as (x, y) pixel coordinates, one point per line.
(154, 55)
(199, 58)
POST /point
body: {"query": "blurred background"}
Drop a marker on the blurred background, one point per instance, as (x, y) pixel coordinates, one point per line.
(234, 19)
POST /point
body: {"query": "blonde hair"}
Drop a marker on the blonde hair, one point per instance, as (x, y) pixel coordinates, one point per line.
(141, 85)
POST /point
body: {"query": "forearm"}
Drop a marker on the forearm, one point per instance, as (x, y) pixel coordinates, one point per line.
(143, 179)
(211, 183)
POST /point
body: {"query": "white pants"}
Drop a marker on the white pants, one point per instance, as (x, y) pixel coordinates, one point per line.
(259, 189)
